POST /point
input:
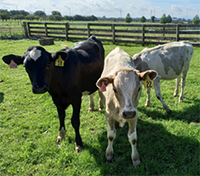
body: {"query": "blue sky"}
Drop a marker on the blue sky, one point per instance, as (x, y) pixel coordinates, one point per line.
(109, 8)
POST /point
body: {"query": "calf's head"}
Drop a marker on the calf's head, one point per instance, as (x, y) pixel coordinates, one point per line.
(37, 62)
(126, 87)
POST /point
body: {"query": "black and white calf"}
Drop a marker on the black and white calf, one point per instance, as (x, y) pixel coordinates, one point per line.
(66, 75)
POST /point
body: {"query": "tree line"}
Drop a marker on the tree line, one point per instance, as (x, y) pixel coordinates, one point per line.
(56, 16)
(41, 15)
(164, 19)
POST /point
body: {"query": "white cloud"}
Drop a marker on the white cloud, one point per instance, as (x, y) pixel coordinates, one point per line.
(176, 8)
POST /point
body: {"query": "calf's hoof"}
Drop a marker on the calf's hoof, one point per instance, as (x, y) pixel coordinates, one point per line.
(100, 108)
(90, 110)
(78, 148)
(109, 157)
(59, 139)
(169, 111)
(175, 94)
(61, 135)
(147, 105)
(136, 162)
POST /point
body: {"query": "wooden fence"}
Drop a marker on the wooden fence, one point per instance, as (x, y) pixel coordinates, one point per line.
(116, 33)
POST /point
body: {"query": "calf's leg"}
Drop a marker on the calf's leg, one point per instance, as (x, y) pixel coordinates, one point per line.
(132, 137)
(111, 135)
(158, 93)
(91, 106)
(75, 120)
(182, 86)
(101, 100)
(177, 85)
(62, 132)
(148, 102)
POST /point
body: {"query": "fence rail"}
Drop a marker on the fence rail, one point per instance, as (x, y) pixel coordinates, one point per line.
(116, 33)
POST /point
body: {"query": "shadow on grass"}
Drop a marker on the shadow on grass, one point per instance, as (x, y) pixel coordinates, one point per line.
(160, 152)
(1, 96)
(189, 114)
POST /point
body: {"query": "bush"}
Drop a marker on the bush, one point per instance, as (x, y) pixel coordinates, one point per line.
(143, 19)
(128, 18)
(165, 19)
(196, 20)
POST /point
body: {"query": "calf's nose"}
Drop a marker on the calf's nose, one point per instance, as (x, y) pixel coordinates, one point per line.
(40, 90)
(129, 114)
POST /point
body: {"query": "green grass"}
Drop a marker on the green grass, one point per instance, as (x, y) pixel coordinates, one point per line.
(167, 144)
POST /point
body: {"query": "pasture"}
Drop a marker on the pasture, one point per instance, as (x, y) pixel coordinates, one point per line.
(167, 144)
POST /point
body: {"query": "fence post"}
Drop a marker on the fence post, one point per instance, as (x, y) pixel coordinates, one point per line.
(46, 32)
(66, 30)
(88, 29)
(163, 30)
(177, 32)
(29, 31)
(25, 29)
(143, 35)
(113, 33)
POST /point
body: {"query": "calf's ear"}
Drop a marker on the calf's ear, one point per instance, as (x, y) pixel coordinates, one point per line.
(60, 54)
(103, 82)
(13, 60)
(151, 73)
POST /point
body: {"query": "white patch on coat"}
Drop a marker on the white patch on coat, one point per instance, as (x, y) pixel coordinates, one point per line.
(35, 54)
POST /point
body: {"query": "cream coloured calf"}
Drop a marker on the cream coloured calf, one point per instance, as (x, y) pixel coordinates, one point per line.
(170, 61)
(120, 84)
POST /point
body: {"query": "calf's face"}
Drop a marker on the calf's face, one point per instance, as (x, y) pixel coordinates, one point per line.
(127, 90)
(126, 87)
(36, 61)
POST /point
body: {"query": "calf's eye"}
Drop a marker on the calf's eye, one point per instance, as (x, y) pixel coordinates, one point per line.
(48, 66)
(139, 89)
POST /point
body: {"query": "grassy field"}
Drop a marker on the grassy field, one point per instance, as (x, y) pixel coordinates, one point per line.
(167, 144)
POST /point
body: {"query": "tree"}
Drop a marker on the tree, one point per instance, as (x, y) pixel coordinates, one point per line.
(169, 19)
(78, 18)
(58, 17)
(143, 19)
(51, 17)
(93, 18)
(54, 18)
(18, 12)
(41, 14)
(69, 18)
(2, 10)
(4, 15)
(30, 17)
(163, 19)
(196, 20)
(56, 13)
(152, 19)
(128, 18)
(18, 17)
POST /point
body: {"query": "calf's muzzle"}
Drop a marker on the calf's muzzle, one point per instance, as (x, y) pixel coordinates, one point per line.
(40, 90)
(129, 114)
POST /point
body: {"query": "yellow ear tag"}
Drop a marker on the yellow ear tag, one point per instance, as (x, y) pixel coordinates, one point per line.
(148, 83)
(59, 62)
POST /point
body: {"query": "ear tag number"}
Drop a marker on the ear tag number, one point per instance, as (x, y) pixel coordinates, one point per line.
(59, 62)
(148, 83)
